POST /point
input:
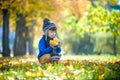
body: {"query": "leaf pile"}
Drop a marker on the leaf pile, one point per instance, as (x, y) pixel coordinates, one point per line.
(27, 67)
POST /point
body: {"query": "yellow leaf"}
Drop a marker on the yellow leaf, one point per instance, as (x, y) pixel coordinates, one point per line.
(50, 68)
(28, 73)
(41, 71)
(56, 40)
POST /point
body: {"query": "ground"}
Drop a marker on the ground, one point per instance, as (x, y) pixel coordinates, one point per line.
(70, 67)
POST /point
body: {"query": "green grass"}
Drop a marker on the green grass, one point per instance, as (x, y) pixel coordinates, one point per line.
(70, 67)
(107, 56)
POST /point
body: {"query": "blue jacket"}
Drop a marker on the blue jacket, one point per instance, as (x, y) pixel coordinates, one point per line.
(45, 48)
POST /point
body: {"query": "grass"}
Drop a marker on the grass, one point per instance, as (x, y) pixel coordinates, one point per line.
(103, 56)
(70, 67)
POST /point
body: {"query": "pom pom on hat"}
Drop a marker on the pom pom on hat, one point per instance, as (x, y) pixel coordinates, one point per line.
(46, 21)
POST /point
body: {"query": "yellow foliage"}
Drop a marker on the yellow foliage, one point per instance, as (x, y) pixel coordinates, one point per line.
(54, 42)
(41, 72)
(30, 74)
(50, 68)
(27, 67)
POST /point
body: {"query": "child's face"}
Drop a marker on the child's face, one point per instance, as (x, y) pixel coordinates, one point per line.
(51, 33)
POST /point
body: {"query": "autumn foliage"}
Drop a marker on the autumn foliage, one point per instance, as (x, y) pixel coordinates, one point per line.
(69, 68)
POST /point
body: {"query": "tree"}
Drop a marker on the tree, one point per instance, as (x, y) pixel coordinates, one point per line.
(113, 27)
(20, 37)
(5, 38)
(74, 11)
(4, 7)
(107, 21)
(108, 4)
(30, 35)
(26, 16)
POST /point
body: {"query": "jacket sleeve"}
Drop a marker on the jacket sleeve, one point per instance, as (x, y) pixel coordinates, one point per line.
(43, 48)
(58, 49)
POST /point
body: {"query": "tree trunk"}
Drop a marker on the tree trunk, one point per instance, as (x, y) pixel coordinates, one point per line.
(5, 38)
(30, 41)
(20, 38)
(114, 46)
(30, 46)
(30, 37)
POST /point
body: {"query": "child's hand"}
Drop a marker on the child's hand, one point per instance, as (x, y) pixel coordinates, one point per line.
(59, 44)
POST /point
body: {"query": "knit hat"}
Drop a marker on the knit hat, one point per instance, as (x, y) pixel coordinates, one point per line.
(47, 24)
